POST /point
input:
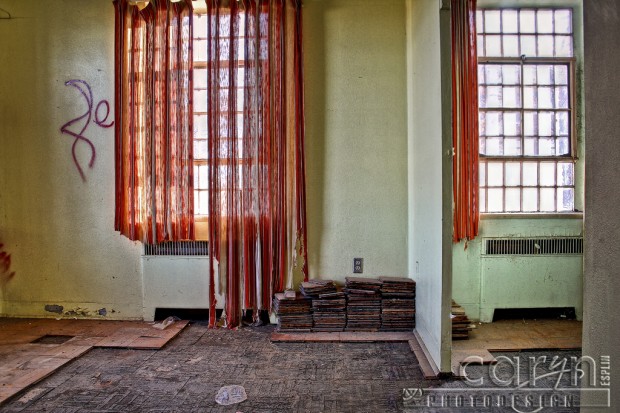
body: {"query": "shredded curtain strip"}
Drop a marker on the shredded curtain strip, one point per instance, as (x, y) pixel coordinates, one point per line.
(153, 128)
(465, 119)
(257, 217)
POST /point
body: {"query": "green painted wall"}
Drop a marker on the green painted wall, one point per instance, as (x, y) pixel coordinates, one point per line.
(467, 270)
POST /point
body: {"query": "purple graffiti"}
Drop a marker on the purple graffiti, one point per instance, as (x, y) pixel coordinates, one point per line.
(101, 116)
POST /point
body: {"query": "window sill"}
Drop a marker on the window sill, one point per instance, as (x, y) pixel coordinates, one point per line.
(532, 215)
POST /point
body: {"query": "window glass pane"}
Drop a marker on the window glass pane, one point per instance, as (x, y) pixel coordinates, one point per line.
(510, 22)
(492, 21)
(200, 126)
(493, 45)
(512, 146)
(513, 174)
(544, 21)
(530, 199)
(511, 74)
(513, 199)
(530, 123)
(547, 174)
(566, 199)
(201, 150)
(493, 126)
(512, 124)
(530, 173)
(482, 173)
(495, 174)
(561, 74)
(200, 78)
(528, 46)
(483, 198)
(545, 45)
(479, 22)
(494, 97)
(511, 97)
(528, 21)
(495, 199)
(563, 21)
(530, 146)
(562, 146)
(547, 199)
(545, 123)
(529, 97)
(493, 74)
(480, 45)
(200, 50)
(529, 74)
(494, 146)
(482, 97)
(200, 100)
(545, 97)
(561, 97)
(566, 174)
(544, 74)
(511, 45)
(563, 46)
(546, 147)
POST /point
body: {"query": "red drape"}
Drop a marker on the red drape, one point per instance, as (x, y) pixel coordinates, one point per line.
(153, 128)
(257, 217)
(465, 137)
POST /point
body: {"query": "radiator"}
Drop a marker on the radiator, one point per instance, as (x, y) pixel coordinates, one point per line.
(531, 273)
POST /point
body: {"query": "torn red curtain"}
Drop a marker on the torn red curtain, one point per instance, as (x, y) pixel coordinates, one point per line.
(153, 128)
(257, 217)
(465, 137)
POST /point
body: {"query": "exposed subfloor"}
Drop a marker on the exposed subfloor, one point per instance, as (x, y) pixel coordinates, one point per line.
(185, 375)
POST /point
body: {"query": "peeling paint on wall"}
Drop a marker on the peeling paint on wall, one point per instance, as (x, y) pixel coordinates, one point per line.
(54, 308)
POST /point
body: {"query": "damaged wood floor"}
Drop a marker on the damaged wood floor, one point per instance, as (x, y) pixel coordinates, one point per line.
(32, 349)
(186, 374)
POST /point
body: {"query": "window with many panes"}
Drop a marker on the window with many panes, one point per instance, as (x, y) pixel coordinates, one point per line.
(526, 110)
(201, 161)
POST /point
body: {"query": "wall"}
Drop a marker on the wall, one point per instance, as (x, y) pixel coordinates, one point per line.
(466, 262)
(469, 273)
(59, 228)
(429, 179)
(356, 126)
(601, 319)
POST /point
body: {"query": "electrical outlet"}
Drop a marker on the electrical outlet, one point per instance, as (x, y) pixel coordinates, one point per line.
(358, 265)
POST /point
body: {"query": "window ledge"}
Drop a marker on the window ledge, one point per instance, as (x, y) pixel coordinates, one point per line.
(540, 215)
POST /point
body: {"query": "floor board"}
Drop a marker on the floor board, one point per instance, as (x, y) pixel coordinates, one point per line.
(23, 362)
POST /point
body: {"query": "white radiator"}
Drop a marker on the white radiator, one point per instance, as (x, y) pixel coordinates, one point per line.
(531, 273)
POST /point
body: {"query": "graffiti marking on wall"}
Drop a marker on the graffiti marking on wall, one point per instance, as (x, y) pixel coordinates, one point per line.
(101, 114)
(5, 267)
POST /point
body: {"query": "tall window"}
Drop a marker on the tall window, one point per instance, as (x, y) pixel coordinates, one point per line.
(526, 110)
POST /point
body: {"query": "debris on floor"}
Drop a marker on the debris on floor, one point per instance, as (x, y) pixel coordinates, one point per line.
(461, 324)
(230, 395)
(167, 322)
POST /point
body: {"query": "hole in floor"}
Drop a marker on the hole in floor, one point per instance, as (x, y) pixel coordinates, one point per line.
(567, 313)
(52, 339)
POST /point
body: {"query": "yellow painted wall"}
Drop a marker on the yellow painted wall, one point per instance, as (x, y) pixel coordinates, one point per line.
(58, 228)
(356, 136)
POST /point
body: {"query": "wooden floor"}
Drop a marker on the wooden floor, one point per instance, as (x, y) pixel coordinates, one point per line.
(505, 335)
(32, 349)
(515, 335)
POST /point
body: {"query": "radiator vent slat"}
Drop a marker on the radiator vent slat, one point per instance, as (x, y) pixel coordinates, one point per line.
(177, 248)
(534, 246)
